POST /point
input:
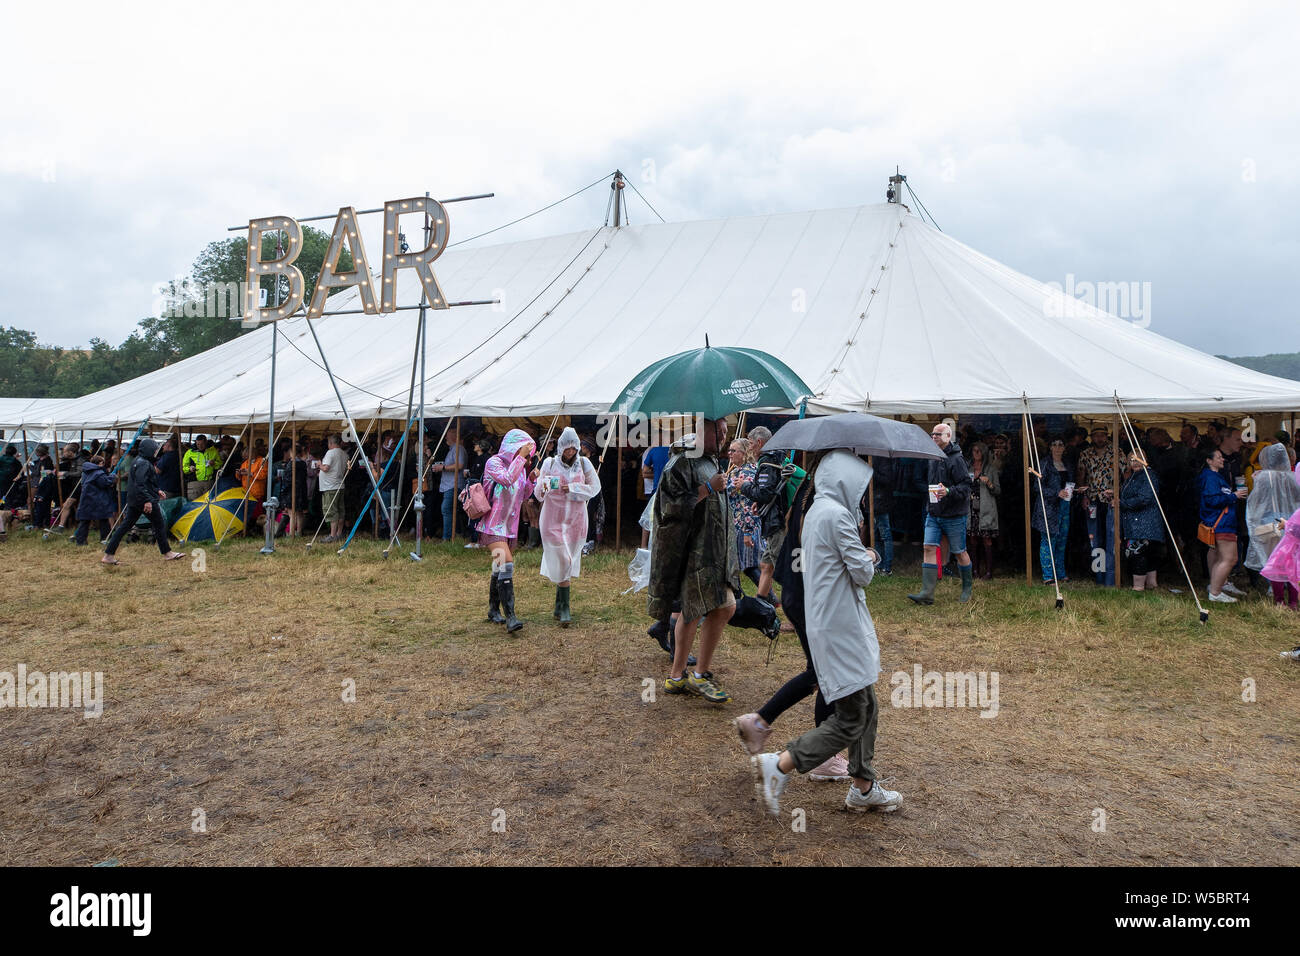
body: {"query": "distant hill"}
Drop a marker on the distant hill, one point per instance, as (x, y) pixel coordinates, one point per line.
(1284, 364)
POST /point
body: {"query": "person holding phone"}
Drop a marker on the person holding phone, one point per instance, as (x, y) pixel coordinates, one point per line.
(564, 485)
(509, 482)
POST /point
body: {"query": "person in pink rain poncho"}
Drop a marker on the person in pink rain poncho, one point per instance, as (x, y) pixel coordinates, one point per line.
(508, 483)
(1283, 566)
(565, 484)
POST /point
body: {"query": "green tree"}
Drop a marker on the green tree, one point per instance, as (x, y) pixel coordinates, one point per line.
(203, 310)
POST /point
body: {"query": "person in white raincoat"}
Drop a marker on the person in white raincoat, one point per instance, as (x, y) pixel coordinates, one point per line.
(564, 485)
(841, 637)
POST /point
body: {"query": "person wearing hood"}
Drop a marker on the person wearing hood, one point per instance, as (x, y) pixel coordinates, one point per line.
(694, 558)
(508, 484)
(836, 566)
(142, 498)
(565, 483)
(1270, 503)
(97, 502)
(947, 517)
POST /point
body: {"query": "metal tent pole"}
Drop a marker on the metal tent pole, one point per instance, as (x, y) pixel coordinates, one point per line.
(271, 503)
(418, 502)
(1029, 533)
(352, 425)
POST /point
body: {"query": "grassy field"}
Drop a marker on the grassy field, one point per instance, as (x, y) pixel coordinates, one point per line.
(225, 706)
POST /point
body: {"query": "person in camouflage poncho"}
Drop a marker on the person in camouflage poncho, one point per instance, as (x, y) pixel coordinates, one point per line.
(694, 559)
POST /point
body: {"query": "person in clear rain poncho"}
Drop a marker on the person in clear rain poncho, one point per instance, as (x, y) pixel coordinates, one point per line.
(565, 483)
(1272, 501)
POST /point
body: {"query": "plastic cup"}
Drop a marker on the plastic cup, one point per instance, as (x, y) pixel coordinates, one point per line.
(1069, 490)
(934, 493)
(1241, 483)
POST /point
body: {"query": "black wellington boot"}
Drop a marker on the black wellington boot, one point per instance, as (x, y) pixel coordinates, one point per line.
(507, 587)
(494, 601)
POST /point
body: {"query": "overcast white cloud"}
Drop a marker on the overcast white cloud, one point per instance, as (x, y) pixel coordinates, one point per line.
(1112, 141)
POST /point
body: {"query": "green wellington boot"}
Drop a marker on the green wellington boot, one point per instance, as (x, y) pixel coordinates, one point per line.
(929, 580)
(967, 580)
(562, 597)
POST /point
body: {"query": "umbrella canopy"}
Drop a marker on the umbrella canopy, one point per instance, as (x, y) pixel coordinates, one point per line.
(865, 434)
(210, 518)
(713, 382)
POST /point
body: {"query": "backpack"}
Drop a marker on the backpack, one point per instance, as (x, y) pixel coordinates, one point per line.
(474, 499)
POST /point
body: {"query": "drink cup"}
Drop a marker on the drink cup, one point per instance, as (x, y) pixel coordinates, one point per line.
(1241, 483)
(1069, 490)
(934, 493)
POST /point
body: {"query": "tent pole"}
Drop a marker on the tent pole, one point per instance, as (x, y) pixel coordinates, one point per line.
(374, 483)
(1114, 495)
(271, 504)
(1029, 532)
(27, 464)
(418, 500)
(618, 489)
(58, 479)
(293, 485)
(455, 475)
(117, 485)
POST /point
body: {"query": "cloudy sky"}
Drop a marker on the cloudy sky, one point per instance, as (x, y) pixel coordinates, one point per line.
(1127, 142)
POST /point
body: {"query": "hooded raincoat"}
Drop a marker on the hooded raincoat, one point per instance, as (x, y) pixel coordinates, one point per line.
(508, 485)
(1284, 563)
(564, 510)
(694, 555)
(98, 500)
(1274, 499)
(836, 567)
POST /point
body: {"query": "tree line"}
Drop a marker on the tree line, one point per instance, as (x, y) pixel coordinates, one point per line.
(185, 325)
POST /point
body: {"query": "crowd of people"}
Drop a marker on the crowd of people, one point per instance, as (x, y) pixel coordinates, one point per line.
(319, 484)
(810, 536)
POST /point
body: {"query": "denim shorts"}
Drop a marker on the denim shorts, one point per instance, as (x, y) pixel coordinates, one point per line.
(952, 528)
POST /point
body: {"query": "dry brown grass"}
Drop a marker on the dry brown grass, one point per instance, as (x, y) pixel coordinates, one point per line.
(224, 693)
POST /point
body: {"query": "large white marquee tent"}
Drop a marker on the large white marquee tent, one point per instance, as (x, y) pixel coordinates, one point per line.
(873, 307)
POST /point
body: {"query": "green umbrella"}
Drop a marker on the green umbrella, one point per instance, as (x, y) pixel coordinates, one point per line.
(713, 382)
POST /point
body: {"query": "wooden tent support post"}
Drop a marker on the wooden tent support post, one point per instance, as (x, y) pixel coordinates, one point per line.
(455, 478)
(1029, 532)
(1114, 495)
(618, 485)
(57, 457)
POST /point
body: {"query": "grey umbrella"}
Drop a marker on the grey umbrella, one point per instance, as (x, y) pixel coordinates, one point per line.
(865, 434)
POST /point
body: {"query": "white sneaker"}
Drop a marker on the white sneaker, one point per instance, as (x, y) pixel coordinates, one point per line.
(769, 781)
(1233, 589)
(1222, 598)
(1293, 655)
(877, 798)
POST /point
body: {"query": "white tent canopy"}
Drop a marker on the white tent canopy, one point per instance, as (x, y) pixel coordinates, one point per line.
(870, 305)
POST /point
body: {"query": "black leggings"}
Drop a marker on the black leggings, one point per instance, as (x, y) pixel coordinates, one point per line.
(799, 686)
(83, 529)
(127, 522)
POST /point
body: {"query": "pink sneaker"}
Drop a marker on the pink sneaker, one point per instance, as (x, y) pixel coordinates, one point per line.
(752, 734)
(834, 769)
